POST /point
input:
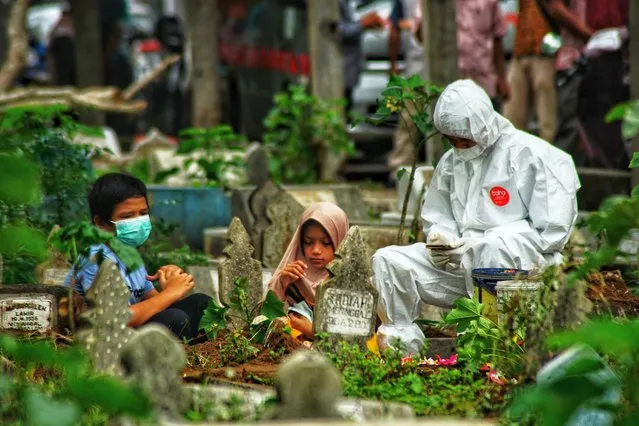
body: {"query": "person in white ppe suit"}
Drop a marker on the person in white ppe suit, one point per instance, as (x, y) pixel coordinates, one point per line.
(501, 198)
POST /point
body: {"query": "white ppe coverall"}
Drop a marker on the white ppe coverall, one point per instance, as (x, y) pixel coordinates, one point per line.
(508, 202)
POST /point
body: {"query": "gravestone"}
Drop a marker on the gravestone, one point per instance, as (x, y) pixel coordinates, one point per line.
(308, 387)
(284, 214)
(34, 308)
(214, 240)
(206, 280)
(240, 263)
(347, 302)
(377, 235)
(259, 202)
(257, 164)
(153, 359)
(108, 315)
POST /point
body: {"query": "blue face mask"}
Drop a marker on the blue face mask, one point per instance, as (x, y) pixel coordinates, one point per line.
(133, 232)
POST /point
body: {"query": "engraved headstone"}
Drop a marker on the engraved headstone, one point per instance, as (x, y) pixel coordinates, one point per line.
(35, 308)
(28, 313)
(108, 316)
(259, 202)
(283, 213)
(153, 359)
(347, 302)
(240, 263)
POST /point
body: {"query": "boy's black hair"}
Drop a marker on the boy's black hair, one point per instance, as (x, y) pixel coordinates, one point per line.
(110, 190)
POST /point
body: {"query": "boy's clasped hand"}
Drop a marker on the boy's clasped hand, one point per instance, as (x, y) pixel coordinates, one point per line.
(173, 280)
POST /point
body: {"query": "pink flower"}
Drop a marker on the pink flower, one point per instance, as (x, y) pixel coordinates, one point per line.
(447, 362)
(496, 377)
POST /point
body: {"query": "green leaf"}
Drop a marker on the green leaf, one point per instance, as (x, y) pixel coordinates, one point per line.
(630, 127)
(213, 320)
(634, 163)
(400, 174)
(393, 92)
(466, 308)
(20, 180)
(272, 307)
(604, 335)
(41, 410)
(415, 81)
(18, 239)
(617, 112)
(110, 395)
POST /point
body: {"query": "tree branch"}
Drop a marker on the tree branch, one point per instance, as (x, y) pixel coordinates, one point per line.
(18, 44)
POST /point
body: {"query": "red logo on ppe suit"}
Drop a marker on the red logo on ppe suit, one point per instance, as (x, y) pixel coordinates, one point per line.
(499, 195)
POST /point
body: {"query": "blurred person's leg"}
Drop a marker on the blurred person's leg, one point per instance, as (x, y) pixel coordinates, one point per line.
(516, 108)
(542, 72)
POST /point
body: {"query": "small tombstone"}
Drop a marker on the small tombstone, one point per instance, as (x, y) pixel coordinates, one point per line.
(258, 202)
(308, 387)
(240, 263)
(108, 316)
(257, 164)
(153, 359)
(376, 236)
(35, 308)
(284, 213)
(347, 302)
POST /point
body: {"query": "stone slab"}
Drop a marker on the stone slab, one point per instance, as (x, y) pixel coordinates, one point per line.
(47, 305)
(442, 346)
(28, 312)
(377, 235)
(358, 410)
(214, 241)
(54, 276)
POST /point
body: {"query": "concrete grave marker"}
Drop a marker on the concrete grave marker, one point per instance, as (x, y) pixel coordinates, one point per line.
(259, 202)
(35, 307)
(153, 359)
(108, 316)
(35, 312)
(240, 263)
(257, 164)
(283, 213)
(347, 302)
(376, 236)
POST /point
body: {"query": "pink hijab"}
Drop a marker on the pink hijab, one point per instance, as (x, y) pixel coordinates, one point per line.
(335, 222)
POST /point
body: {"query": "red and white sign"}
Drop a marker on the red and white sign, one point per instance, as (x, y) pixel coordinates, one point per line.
(499, 196)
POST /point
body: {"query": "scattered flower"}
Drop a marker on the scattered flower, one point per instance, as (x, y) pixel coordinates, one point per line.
(497, 377)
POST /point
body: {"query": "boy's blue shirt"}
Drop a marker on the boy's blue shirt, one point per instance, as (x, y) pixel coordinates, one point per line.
(87, 269)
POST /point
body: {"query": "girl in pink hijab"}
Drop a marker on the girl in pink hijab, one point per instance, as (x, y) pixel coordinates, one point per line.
(322, 228)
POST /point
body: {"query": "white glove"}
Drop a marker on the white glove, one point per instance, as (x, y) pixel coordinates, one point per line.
(441, 258)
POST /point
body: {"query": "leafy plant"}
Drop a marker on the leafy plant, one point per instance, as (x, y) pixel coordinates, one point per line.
(298, 130)
(73, 393)
(237, 349)
(412, 97)
(75, 241)
(21, 245)
(629, 113)
(44, 135)
(212, 144)
(252, 321)
(435, 391)
(480, 340)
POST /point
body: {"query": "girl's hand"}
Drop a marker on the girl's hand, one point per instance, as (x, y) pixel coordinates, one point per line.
(292, 272)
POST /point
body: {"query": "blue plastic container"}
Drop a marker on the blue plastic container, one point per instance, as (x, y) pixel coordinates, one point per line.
(193, 209)
(487, 278)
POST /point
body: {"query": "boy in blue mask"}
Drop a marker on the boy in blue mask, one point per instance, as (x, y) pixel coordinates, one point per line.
(118, 204)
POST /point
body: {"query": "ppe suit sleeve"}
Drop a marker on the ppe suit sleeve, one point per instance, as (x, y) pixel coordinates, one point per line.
(548, 187)
(437, 213)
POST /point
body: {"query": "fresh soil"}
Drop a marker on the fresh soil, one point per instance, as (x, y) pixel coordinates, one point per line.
(205, 361)
(433, 331)
(610, 294)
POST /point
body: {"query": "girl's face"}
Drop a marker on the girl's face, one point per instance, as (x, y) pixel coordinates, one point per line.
(317, 246)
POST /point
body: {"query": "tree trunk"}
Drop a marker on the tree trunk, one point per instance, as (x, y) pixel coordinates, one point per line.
(88, 50)
(327, 70)
(202, 17)
(634, 72)
(440, 53)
